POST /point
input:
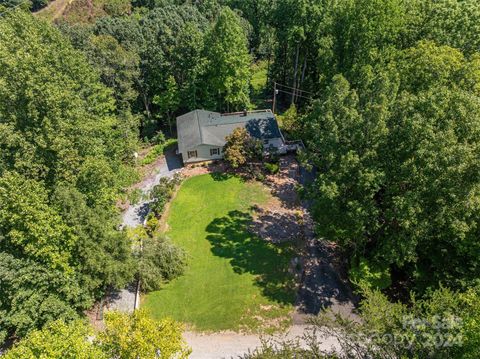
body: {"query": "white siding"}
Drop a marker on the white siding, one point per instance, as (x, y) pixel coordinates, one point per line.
(203, 151)
(203, 154)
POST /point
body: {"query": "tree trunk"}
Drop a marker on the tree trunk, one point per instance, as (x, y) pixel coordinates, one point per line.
(295, 74)
(300, 81)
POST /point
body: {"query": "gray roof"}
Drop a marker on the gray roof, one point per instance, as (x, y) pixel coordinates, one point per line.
(210, 128)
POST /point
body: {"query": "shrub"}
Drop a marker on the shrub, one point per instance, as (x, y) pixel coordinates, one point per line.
(135, 196)
(151, 223)
(157, 150)
(158, 139)
(160, 261)
(370, 275)
(241, 148)
(290, 122)
(137, 335)
(162, 193)
(272, 167)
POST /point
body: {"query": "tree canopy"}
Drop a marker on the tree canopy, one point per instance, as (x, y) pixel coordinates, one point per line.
(61, 168)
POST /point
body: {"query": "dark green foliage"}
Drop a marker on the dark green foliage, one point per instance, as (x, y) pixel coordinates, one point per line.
(29, 227)
(118, 67)
(162, 193)
(227, 78)
(159, 262)
(60, 174)
(169, 60)
(33, 5)
(453, 23)
(160, 29)
(272, 168)
(34, 294)
(395, 173)
(157, 54)
(158, 139)
(101, 254)
(54, 113)
(394, 131)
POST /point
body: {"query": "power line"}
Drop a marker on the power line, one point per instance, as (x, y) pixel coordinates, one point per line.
(276, 90)
(291, 93)
(296, 89)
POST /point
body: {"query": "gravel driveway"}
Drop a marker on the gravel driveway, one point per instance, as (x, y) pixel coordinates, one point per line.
(232, 345)
(135, 215)
(124, 300)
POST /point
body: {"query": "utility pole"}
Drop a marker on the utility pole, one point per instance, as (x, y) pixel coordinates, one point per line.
(275, 91)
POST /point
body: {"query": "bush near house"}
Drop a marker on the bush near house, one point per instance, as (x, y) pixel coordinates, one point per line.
(272, 168)
(241, 148)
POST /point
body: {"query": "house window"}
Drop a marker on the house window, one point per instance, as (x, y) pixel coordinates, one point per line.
(192, 154)
(214, 151)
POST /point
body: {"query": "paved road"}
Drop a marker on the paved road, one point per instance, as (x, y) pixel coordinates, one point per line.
(232, 345)
(124, 300)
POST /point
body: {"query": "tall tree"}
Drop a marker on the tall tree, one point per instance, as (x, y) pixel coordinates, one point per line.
(53, 110)
(227, 78)
(61, 169)
(455, 23)
(396, 158)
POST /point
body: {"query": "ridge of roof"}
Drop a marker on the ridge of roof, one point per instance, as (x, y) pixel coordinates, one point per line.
(199, 127)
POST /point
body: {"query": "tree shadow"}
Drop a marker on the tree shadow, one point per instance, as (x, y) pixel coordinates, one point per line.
(322, 286)
(278, 227)
(220, 176)
(142, 211)
(269, 263)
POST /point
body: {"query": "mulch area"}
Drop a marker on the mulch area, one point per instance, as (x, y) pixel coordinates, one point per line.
(204, 168)
(283, 218)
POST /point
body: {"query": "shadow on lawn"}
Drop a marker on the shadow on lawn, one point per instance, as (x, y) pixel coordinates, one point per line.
(220, 176)
(248, 253)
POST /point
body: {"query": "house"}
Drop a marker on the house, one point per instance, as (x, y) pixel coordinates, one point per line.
(201, 134)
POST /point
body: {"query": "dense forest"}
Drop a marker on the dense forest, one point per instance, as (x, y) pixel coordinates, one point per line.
(385, 94)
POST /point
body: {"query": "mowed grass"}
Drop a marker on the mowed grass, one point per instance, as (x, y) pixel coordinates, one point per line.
(234, 280)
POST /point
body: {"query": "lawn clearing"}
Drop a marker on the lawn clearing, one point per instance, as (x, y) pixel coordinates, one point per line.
(260, 95)
(234, 280)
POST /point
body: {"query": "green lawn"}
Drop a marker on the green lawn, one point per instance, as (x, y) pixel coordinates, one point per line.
(234, 279)
(260, 95)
